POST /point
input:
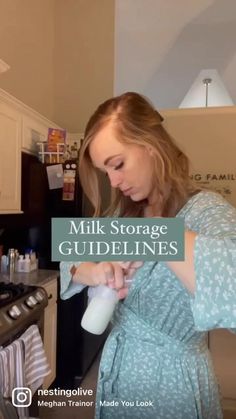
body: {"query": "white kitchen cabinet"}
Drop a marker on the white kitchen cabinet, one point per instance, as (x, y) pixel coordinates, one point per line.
(10, 160)
(50, 330)
(21, 128)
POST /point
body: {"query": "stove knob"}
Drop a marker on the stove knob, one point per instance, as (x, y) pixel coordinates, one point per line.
(14, 312)
(39, 296)
(31, 301)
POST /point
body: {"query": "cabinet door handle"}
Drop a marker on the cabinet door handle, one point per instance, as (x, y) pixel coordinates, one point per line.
(49, 296)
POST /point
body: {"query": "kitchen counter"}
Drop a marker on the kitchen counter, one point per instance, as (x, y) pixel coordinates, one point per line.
(39, 277)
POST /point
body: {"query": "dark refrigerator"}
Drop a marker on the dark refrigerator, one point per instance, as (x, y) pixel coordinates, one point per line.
(76, 348)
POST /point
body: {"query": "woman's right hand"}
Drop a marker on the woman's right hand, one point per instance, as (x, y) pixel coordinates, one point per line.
(112, 274)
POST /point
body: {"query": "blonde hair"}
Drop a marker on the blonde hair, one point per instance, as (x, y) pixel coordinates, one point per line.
(136, 121)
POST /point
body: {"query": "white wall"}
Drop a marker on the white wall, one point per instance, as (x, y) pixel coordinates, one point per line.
(84, 63)
(208, 137)
(61, 54)
(27, 45)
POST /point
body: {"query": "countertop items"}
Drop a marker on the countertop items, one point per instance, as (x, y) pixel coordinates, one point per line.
(39, 277)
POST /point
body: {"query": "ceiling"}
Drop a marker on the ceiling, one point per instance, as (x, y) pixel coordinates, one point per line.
(160, 49)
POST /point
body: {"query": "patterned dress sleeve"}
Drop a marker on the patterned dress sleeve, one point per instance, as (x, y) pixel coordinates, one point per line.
(214, 302)
(68, 288)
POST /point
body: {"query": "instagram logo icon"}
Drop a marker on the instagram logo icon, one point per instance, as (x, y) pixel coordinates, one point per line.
(21, 397)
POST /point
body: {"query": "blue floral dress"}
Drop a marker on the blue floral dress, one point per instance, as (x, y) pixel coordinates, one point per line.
(155, 363)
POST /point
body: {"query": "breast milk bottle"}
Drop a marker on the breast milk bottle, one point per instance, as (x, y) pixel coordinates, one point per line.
(100, 309)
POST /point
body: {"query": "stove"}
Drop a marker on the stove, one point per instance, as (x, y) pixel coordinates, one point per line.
(20, 306)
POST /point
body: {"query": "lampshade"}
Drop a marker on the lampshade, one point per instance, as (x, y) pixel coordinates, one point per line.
(207, 90)
(3, 66)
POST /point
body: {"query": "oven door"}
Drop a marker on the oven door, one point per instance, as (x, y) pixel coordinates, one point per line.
(7, 410)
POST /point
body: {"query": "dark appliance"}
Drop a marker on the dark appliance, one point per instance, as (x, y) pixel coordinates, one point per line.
(20, 307)
(76, 348)
(40, 204)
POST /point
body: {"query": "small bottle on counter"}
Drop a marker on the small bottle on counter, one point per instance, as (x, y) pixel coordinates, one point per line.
(27, 263)
(11, 261)
(20, 265)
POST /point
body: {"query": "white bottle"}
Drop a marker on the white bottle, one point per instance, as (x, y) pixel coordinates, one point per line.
(100, 309)
(20, 266)
(27, 263)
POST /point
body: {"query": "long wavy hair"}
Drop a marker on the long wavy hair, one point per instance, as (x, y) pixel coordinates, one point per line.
(136, 121)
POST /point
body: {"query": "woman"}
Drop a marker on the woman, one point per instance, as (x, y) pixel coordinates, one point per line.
(155, 363)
